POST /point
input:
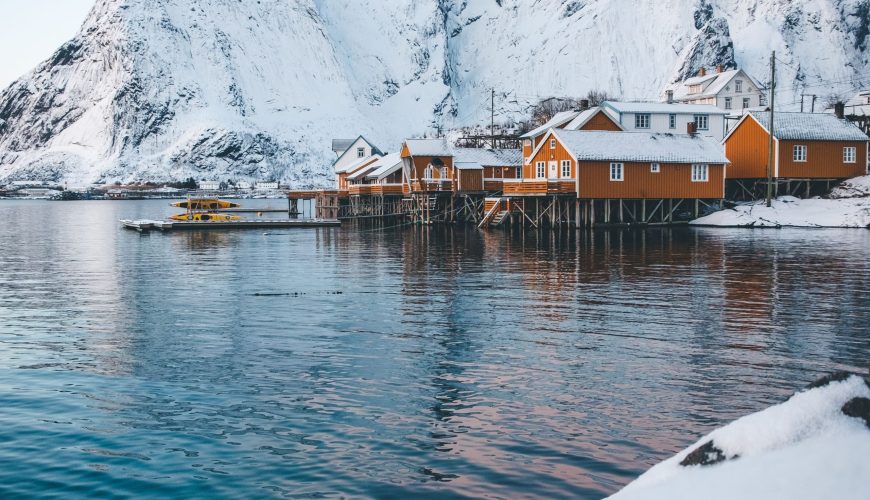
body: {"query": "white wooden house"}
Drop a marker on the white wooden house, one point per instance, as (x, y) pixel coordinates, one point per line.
(733, 90)
(664, 118)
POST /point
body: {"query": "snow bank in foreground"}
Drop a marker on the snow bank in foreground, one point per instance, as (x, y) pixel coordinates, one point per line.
(791, 211)
(807, 447)
(852, 188)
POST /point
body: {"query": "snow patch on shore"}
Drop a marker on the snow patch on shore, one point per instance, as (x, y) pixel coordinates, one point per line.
(794, 212)
(853, 188)
(803, 448)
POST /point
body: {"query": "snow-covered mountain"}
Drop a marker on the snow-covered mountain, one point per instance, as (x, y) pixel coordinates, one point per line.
(221, 89)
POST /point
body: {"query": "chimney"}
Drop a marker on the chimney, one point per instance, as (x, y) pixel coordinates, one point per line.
(584, 104)
(840, 110)
(692, 128)
(670, 94)
(719, 68)
(702, 71)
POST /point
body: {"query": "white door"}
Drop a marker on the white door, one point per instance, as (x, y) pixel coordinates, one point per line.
(554, 170)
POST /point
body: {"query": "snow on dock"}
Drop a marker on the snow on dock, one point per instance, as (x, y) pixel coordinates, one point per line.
(163, 225)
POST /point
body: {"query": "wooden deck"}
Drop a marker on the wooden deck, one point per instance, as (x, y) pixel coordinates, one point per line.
(163, 225)
(538, 187)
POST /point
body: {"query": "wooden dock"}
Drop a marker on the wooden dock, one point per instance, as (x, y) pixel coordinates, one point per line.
(164, 225)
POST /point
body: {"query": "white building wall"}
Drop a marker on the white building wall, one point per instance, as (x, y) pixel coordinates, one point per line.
(351, 156)
(660, 124)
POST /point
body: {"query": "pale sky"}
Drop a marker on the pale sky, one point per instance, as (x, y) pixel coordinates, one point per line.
(31, 30)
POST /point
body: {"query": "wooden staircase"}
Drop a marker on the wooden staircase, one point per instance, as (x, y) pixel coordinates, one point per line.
(496, 211)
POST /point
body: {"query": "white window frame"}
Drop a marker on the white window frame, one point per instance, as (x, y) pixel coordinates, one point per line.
(655, 168)
(727, 103)
(799, 153)
(850, 154)
(746, 102)
(672, 121)
(428, 172)
(617, 172)
(445, 174)
(700, 172)
(566, 169)
(738, 86)
(642, 121)
(541, 170)
(702, 119)
(360, 152)
(552, 143)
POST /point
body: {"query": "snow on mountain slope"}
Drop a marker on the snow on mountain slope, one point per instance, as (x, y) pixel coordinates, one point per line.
(221, 89)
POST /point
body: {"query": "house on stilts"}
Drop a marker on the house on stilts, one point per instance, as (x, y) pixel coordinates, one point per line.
(812, 152)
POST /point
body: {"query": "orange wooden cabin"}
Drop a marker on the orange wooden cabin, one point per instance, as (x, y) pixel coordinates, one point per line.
(435, 165)
(623, 165)
(806, 146)
(588, 119)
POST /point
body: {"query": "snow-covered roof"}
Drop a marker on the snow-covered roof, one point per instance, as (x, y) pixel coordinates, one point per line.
(341, 145)
(641, 146)
(429, 147)
(810, 127)
(489, 157)
(581, 119)
(663, 108)
(363, 172)
(559, 119)
(357, 164)
(713, 84)
(467, 165)
(386, 166)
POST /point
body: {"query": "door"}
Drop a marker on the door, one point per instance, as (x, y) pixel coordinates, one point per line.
(554, 170)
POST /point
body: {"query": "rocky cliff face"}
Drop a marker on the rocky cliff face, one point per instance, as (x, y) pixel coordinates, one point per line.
(222, 89)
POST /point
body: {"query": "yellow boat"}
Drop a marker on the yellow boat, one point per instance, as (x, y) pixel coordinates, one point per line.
(204, 217)
(204, 204)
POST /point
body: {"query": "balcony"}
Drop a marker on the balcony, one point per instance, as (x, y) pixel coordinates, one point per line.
(538, 187)
(387, 189)
(431, 185)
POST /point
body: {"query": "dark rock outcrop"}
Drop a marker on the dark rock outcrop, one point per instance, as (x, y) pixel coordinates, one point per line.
(858, 408)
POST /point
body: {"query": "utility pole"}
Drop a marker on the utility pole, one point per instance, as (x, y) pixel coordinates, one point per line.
(492, 120)
(770, 128)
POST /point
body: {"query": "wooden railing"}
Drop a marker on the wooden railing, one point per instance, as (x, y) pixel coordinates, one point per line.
(386, 189)
(493, 184)
(529, 187)
(359, 189)
(428, 185)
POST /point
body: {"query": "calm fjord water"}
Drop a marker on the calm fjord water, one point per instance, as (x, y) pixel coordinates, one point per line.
(424, 362)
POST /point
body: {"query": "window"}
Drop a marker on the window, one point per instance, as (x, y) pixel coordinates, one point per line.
(700, 173)
(552, 143)
(617, 172)
(427, 174)
(738, 86)
(703, 122)
(655, 168)
(641, 120)
(566, 169)
(540, 170)
(360, 152)
(745, 102)
(672, 121)
(444, 173)
(800, 153)
(849, 155)
(727, 103)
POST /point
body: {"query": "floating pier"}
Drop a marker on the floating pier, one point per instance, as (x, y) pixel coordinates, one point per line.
(164, 225)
